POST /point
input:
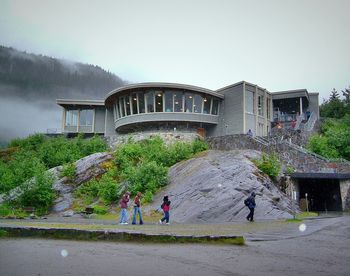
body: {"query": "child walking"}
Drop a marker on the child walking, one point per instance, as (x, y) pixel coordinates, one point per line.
(166, 208)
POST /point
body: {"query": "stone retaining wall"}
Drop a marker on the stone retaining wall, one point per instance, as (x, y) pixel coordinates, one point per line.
(167, 136)
(300, 161)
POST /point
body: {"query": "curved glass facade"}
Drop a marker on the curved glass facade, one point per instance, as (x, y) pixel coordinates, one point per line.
(165, 100)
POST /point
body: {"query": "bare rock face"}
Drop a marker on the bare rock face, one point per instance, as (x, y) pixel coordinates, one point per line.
(212, 188)
(86, 168)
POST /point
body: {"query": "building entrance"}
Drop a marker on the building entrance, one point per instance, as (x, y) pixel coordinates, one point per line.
(322, 194)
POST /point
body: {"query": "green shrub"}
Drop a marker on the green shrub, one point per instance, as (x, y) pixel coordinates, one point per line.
(104, 189)
(68, 170)
(269, 164)
(5, 210)
(148, 176)
(38, 193)
(199, 145)
(108, 188)
(100, 210)
(148, 197)
(89, 189)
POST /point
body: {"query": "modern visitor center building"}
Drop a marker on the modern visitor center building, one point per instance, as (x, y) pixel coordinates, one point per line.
(233, 109)
(178, 111)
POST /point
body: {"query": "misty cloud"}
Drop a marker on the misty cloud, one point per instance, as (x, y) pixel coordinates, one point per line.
(19, 118)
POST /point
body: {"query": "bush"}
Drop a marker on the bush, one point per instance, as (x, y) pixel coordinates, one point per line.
(269, 164)
(104, 189)
(38, 193)
(199, 145)
(148, 197)
(68, 170)
(100, 210)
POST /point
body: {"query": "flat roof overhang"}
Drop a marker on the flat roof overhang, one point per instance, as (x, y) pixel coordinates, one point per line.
(66, 102)
(290, 94)
(339, 176)
(159, 85)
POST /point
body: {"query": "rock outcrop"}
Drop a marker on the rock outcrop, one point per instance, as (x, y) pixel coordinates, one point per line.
(212, 188)
(86, 168)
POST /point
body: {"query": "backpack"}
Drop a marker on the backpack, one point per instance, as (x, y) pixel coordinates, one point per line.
(162, 206)
(247, 201)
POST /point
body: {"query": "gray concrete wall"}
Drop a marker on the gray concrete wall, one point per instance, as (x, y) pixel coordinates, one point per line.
(231, 112)
(345, 193)
(314, 104)
(250, 122)
(100, 119)
(167, 116)
(109, 122)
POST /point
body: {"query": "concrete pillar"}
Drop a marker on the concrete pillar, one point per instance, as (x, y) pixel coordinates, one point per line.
(301, 106)
(344, 192)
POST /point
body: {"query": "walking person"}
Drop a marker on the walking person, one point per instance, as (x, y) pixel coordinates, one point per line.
(137, 208)
(123, 203)
(250, 203)
(166, 208)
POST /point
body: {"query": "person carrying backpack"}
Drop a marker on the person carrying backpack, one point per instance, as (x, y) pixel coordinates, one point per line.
(166, 208)
(137, 208)
(250, 203)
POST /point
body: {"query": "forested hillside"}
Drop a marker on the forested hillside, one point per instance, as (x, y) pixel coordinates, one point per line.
(30, 85)
(27, 75)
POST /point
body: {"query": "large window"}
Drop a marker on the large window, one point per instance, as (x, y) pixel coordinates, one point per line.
(86, 117)
(171, 100)
(121, 107)
(134, 103)
(159, 101)
(178, 106)
(168, 96)
(150, 101)
(249, 102)
(188, 102)
(142, 108)
(268, 108)
(215, 108)
(207, 104)
(197, 103)
(71, 117)
(260, 106)
(127, 105)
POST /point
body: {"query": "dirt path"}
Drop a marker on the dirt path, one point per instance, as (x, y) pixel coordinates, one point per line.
(324, 252)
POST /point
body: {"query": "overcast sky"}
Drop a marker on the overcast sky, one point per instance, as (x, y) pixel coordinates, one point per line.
(279, 45)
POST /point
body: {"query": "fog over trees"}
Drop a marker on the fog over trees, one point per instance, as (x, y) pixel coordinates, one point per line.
(30, 85)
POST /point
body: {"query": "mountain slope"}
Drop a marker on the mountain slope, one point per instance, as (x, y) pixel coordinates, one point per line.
(30, 85)
(28, 75)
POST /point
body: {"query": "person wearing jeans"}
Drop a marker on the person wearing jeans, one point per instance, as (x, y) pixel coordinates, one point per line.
(137, 208)
(124, 205)
(166, 208)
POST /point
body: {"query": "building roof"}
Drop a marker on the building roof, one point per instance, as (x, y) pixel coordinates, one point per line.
(68, 102)
(321, 175)
(297, 93)
(158, 85)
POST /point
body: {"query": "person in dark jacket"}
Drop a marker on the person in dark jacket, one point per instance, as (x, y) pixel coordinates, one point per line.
(251, 205)
(137, 208)
(123, 203)
(166, 208)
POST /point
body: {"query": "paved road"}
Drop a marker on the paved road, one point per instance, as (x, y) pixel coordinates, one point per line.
(325, 251)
